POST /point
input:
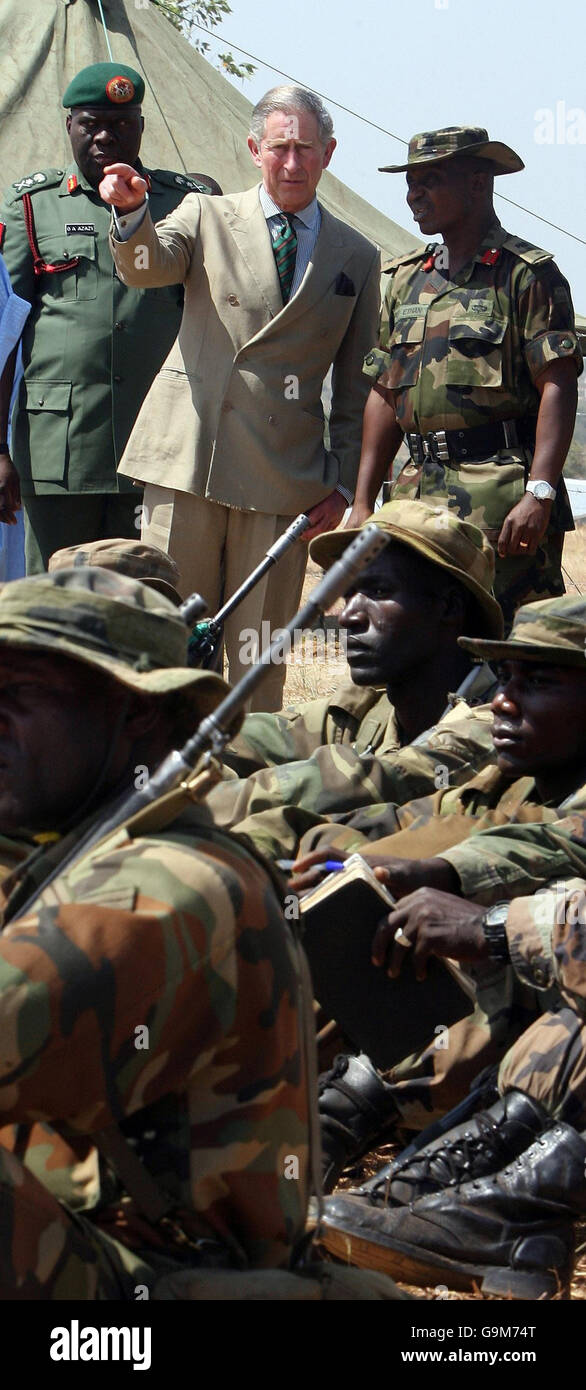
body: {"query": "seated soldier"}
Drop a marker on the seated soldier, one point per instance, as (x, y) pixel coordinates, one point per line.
(402, 620)
(152, 1071)
(133, 558)
(535, 800)
(495, 1200)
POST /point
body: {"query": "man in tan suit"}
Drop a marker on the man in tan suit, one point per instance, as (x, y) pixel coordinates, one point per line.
(229, 441)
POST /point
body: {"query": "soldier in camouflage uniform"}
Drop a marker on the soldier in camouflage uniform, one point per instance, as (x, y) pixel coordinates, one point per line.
(494, 1200)
(538, 834)
(402, 620)
(133, 558)
(475, 368)
(91, 346)
(152, 1071)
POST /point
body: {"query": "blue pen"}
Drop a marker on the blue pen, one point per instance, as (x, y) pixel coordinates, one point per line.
(331, 866)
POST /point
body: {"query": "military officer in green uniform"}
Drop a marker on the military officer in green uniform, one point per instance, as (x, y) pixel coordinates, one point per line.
(475, 368)
(92, 346)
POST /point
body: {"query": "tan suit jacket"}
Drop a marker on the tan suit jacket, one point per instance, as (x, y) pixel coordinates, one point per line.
(235, 412)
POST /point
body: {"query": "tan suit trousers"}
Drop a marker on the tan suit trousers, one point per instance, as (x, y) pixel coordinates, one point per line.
(207, 540)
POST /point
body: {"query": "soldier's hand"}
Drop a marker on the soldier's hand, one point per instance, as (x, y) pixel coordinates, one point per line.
(359, 514)
(9, 490)
(524, 527)
(403, 876)
(431, 923)
(122, 187)
(310, 868)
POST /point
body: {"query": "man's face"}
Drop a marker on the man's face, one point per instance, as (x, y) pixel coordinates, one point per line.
(439, 197)
(292, 158)
(391, 621)
(100, 136)
(56, 721)
(539, 718)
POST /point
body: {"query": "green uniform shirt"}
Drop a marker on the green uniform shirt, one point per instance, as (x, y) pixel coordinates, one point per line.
(91, 346)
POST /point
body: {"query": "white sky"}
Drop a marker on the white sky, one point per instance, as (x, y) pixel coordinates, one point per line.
(422, 64)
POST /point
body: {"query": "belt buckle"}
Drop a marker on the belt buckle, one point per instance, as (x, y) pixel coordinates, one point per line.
(437, 446)
(416, 445)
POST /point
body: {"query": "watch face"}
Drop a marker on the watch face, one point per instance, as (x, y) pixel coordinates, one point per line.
(496, 915)
(542, 491)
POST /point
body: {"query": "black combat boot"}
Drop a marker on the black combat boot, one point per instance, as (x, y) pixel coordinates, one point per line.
(511, 1233)
(356, 1111)
(483, 1144)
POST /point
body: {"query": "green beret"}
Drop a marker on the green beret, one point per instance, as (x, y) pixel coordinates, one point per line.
(105, 84)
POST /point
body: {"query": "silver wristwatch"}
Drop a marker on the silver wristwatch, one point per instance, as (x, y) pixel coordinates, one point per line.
(493, 926)
(541, 490)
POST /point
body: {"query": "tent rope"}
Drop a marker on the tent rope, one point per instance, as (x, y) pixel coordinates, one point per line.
(365, 120)
(572, 581)
(105, 31)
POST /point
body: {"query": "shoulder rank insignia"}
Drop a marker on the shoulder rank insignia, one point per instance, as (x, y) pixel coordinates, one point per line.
(490, 257)
(30, 181)
(72, 183)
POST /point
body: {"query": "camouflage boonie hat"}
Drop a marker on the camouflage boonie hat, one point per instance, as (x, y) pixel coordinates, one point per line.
(436, 533)
(108, 621)
(551, 632)
(134, 558)
(435, 146)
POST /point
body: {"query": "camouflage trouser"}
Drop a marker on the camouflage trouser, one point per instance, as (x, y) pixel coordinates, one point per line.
(545, 1056)
(431, 1082)
(484, 493)
(549, 1060)
(48, 1252)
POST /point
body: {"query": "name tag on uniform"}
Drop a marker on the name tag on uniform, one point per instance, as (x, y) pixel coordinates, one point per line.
(480, 308)
(87, 227)
(410, 311)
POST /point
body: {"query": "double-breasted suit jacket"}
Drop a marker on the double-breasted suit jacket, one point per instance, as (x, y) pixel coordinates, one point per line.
(235, 413)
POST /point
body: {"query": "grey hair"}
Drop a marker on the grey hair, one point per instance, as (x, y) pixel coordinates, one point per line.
(290, 99)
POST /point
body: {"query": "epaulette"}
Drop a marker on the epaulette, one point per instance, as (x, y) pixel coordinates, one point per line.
(526, 251)
(180, 181)
(418, 254)
(33, 183)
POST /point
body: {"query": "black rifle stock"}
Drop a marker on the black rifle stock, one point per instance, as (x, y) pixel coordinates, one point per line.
(215, 731)
(206, 638)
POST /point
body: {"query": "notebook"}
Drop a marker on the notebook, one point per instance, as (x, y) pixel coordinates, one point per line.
(387, 1019)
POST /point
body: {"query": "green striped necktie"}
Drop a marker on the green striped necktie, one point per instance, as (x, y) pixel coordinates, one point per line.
(285, 253)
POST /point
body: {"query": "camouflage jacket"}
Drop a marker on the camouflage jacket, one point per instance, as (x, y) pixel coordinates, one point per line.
(275, 807)
(466, 352)
(535, 930)
(361, 718)
(498, 835)
(155, 986)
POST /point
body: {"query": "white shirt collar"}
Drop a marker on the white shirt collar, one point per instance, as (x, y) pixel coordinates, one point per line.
(308, 215)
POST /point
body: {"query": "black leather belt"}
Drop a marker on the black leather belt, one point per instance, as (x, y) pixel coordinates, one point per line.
(472, 445)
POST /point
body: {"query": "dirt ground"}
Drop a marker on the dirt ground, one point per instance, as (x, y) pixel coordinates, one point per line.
(310, 675)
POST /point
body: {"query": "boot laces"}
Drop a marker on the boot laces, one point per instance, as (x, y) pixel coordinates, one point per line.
(450, 1164)
(337, 1070)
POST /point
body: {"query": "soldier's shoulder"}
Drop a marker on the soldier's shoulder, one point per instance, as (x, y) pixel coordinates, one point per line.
(526, 251)
(183, 182)
(33, 183)
(410, 258)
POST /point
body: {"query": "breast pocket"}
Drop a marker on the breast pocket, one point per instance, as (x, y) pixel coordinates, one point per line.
(79, 277)
(475, 353)
(405, 352)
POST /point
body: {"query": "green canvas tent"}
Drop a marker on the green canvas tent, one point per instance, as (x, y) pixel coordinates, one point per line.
(195, 119)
